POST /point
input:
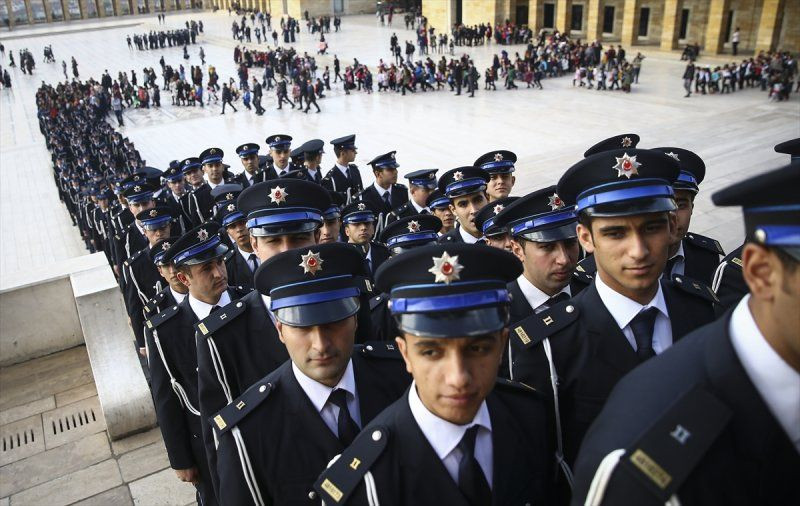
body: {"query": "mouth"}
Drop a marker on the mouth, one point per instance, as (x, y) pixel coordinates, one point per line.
(639, 270)
(459, 400)
(561, 275)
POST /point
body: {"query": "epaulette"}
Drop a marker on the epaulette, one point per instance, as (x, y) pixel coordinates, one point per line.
(535, 328)
(378, 349)
(694, 287)
(514, 386)
(336, 483)
(153, 303)
(133, 257)
(581, 275)
(216, 321)
(116, 237)
(704, 242)
(161, 317)
(667, 452)
(229, 254)
(401, 185)
(376, 301)
(736, 262)
(236, 410)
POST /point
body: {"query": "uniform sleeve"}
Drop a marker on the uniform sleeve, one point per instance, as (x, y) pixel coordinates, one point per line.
(232, 459)
(211, 399)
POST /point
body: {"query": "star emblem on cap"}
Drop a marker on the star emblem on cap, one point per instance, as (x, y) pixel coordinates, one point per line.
(413, 226)
(626, 165)
(278, 195)
(278, 139)
(391, 155)
(555, 202)
(229, 196)
(362, 206)
(446, 268)
(231, 207)
(498, 208)
(311, 263)
(212, 151)
(674, 155)
(153, 213)
(498, 157)
(137, 188)
(135, 178)
(626, 142)
(458, 175)
(165, 246)
(202, 234)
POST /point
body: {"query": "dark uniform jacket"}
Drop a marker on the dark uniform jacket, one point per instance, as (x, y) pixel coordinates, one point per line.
(335, 181)
(398, 197)
(126, 243)
(280, 436)
(199, 204)
(181, 218)
(403, 211)
(590, 351)
(144, 282)
(729, 283)
(159, 302)
(378, 254)
(751, 461)
(701, 257)
(239, 272)
(407, 470)
(455, 236)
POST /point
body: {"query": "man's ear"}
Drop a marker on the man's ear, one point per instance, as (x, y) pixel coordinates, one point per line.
(402, 345)
(279, 328)
(759, 271)
(518, 249)
(585, 237)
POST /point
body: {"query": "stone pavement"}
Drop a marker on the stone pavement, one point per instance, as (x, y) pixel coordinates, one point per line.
(55, 449)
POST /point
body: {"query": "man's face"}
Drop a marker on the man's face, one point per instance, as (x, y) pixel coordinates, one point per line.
(213, 172)
(176, 187)
(385, 177)
(465, 208)
(312, 161)
(330, 230)
(239, 234)
(280, 157)
(500, 241)
(155, 235)
(447, 217)
(548, 265)
(194, 177)
(144, 205)
(500, 186)
(267, 247)
(321, 352)
(359, 233)
(250, 163)
(453, 375)
(206, 281)
(169, 273)
(347, 156)
(420, 194)
(685, 202)
(630, 251)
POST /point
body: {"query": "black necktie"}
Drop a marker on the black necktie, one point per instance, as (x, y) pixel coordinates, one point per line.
(387, 199)
(317, 177)
(671, 265)
(555, 299)
(471, 480)
(345, 425)
(253, 259)
(214, 310)
(642, 326)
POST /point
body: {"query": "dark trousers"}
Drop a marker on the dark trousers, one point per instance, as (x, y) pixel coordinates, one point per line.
(229, 103)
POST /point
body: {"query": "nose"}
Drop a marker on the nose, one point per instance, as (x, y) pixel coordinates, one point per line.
(456, 374)
(638, 248)
(562, 255)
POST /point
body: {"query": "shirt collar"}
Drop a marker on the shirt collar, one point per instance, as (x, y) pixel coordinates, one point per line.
(534, 295)
(212, 185)
(418, 208)
(319, 393)
(679, 253)
(623, 309)
(246, 255)
(343, 169)
(177, 296)
(443, 436)
(467, 237)
(202, 309)
(381, 191)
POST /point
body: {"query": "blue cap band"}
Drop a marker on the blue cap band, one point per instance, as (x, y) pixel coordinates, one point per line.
(465, 184)
(212, 159)
(496, 166)
(488, 224)
(174, 177)
(196, 250)
(277, 219)
(391, 164)
(155, 222)
(781, 235)
(313, 298)
(359, 217)
(427, 183)
(332, 212)
(232, 218)
(140, 197)
(687, 177)
(542, 220)
(158, 256)
(279, 144)
(186, 168)
(440, 202)
(441, 303)
(420, 236)
(247, 152)
(662, 189)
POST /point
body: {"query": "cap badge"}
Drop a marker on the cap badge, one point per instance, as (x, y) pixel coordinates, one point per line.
(165, 246)
(229, 196)
(153, 213)
(311, 263)
(362, 206)
(458, 175)
(278, 195)
(498, 157)
(626, 142)
(135, 178)
(137, 188)
(674, 155)
(498, 208)
(555, 202)
(278, 138)
(391, 155)
(212, 151)
(231, 207)
(413, 226)
(202, 234)
(627, 166)
(446, 268)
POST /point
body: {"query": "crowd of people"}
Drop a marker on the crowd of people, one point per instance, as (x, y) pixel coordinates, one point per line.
(166, 38)
(774, 73)
(445, 341)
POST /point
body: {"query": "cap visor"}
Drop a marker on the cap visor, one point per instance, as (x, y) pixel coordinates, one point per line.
(285, 228)
(469, 323)
(561, 233)
(207, 256)
(318, 314)
(632, 207)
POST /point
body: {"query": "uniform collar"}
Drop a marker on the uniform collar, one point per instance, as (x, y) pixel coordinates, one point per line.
(418, 208)
(381, 191)
(623, 309)
(467, 237)
(202, 309)
(177, 296)
(319, 393)
(534, 295)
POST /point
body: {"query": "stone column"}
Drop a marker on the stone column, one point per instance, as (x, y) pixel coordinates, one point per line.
(535, 18)
(84, 10)
(769, 27)
(11, 23)
(437, 12)
(715, 29)
(563, 15)
(630, 23)
(594, 20)
(101, 8)
(64, 10)
(29, 10)
(48, 11)
(671, 24)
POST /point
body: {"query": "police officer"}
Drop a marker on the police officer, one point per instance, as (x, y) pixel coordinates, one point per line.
(201, 202)
(312, 158)
(420, 185)
(344, 177)
(466, 189)
(197, 257)
(500, 166)
(439, 205)
(692, 254)
(277, 436)
(248, 155)
(280, 146)
(192, 171)
(495, 236)
(176, 189)
(459, 436)
(622, 141)
(385, 194)
(175, 291)
(139, 197)
(241, 261)
(359, 220)
(331, 229)
(717, 419)
(625, 203)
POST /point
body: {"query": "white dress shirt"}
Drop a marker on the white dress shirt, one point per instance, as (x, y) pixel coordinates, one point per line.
(623, 310)
(312, 173)
(319, 394)
(467, 237)
(680, 264)
(381, 191)
(343, 169)
(213, 185)
(202, 309)
(417, 208)
(246, 257)
(775, 380)
(533, 295)
(178, 296)
(444, 436)
(281, 171)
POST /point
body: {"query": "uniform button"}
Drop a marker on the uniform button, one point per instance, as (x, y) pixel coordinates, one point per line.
(238, 304)
(262, 388)
(369, 347)
(678, 279)
(312, 495)
(376, 435)
(569, 308)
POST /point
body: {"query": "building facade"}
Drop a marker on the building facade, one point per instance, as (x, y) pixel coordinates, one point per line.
(764, 25)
